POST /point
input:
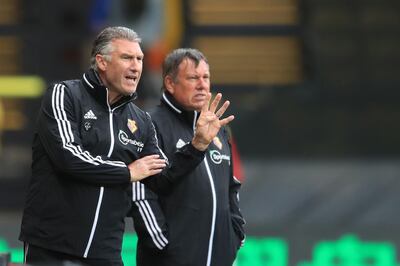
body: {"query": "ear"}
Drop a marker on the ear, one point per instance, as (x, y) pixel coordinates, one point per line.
(169, 84)
(101, 62)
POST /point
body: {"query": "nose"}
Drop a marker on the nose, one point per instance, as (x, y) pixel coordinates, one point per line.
(203, 84)
(135, 64)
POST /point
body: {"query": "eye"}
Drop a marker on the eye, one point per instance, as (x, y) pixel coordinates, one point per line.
(126, 57)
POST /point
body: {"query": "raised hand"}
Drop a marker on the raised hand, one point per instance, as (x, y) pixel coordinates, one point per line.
(210, 122)
(145, 167)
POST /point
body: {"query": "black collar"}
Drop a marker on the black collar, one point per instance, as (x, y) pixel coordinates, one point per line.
(93, 84)
(189, 117)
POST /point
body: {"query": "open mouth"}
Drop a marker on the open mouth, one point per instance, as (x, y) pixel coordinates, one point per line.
(200, 96)
(132, 78)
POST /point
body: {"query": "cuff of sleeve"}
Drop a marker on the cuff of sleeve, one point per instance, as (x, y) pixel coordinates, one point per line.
(128, 175)
(192, 150)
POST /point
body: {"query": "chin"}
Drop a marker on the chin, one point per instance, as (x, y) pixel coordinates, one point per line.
(130, 91)
(197, 108)
(199, 105)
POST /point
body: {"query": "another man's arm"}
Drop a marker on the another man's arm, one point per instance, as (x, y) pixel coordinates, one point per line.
(186, 158)
(183, 161)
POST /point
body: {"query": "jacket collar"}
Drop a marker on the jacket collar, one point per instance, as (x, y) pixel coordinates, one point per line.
(189, 117)
(96, 88)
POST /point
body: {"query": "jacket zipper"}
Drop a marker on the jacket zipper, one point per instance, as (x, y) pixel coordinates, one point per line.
(110, 113)
(100, 200)
(210, 243)
(214, 197)
(96, 217)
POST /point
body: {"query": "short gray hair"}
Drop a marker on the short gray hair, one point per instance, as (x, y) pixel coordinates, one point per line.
(103, 42)
(174, 59)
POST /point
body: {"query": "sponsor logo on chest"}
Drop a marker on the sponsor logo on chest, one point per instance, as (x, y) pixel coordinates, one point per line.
(125, 140)
(217, 157)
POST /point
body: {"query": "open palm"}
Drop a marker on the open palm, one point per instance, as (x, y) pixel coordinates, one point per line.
(209, 122)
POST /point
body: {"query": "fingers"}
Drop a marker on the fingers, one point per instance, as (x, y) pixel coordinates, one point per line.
(214, 105)
(150, 157)
(155, 171)
(222, 110)
(159, 163)
(153, 162)
(149, 173)
(146, 166)
(210, 116)
(211, 119)
(215, 102)
(226, 121)
(206, 105)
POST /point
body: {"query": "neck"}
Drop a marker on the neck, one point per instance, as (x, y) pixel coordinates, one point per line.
(113, 97)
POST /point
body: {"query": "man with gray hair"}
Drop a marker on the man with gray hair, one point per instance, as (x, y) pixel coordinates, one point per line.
(91, 146)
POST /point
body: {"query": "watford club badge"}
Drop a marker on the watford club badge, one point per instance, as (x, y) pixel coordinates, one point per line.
(132, 125)
(217, 143)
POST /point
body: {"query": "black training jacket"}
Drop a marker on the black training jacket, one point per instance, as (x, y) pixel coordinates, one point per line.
(201, 210)
(80, 189)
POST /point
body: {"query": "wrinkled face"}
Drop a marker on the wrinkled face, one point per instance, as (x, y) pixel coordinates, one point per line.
(120, 71)
(191, 85)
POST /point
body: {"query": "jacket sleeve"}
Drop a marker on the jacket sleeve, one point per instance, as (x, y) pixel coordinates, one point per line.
(59, 134)
(148, 218)
(238, 221)
(183, 161)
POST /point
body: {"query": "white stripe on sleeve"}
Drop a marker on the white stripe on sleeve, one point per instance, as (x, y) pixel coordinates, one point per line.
(157, 236)
(66, 134)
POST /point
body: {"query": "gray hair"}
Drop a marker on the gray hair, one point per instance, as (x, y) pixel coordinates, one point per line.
(103, 42)
(174, 59)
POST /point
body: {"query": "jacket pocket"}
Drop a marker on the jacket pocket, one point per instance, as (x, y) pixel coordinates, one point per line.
(184, 234)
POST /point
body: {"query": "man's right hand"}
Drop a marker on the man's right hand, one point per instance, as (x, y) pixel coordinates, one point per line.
(210, 122)
(145, 167)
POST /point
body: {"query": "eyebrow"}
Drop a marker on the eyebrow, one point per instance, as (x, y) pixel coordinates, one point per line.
(132, 55)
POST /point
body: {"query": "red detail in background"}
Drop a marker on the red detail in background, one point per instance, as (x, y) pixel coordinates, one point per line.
(237, 162)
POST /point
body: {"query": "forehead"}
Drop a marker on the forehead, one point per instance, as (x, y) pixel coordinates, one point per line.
(126, 47)
(189, 66)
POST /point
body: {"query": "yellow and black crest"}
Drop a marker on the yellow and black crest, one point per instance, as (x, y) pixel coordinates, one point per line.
(132, 125)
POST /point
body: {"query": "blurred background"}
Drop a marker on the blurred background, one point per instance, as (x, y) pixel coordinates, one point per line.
(314, 86)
